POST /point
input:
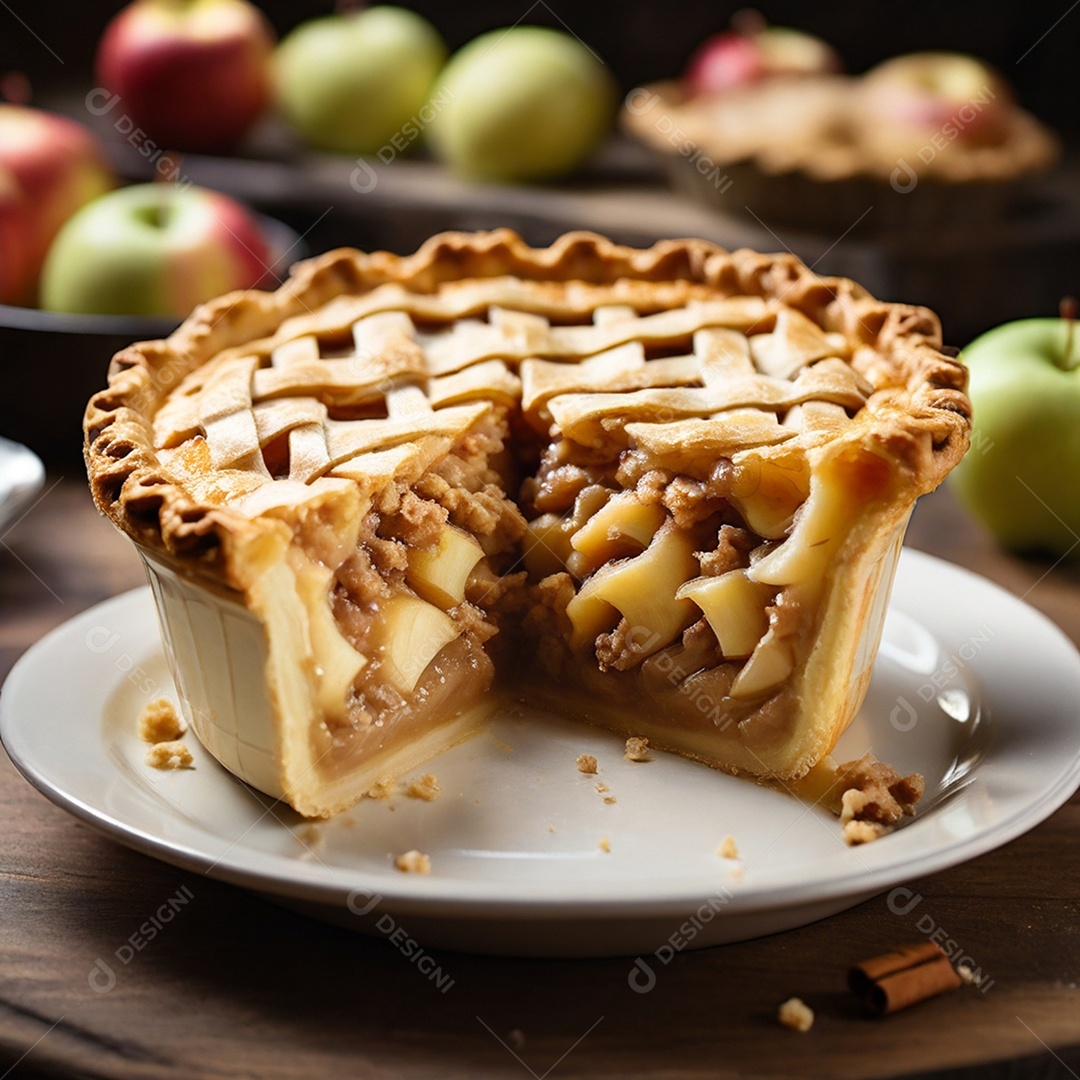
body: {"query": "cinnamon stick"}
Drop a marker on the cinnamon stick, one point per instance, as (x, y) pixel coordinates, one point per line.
(903, 977)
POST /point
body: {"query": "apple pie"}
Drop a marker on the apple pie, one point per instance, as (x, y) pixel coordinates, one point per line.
(828, 151)
(660, 490)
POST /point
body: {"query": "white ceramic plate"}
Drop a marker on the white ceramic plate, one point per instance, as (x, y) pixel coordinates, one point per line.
(21, 478)
(972, 688)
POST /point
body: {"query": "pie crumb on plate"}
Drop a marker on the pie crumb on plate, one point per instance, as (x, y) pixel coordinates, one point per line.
(170, 755)
(160, 722)
(413, 862)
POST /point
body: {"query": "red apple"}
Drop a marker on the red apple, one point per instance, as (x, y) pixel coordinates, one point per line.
(754, 51)
(154, 249)
(15, 276)
(59, 166)
(193, 74)
(722, 62)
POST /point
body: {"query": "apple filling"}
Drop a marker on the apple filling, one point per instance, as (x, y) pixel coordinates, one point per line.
(637, 572)
(419, 599)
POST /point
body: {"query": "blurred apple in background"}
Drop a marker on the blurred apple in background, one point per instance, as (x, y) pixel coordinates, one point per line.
(59, 166)
(193, 74)
(1021, 477)
(153, 249)
(15, 277)
(911, 99)
(522, 103)
(753, 50)
(351, 83)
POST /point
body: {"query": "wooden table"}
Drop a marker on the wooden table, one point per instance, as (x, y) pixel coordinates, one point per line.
(236, 987)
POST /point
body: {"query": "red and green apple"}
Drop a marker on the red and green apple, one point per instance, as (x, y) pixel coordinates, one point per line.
(751, 51)
(58, 165)
(15, 276)
(153, 249)
(910, 99)
(193, 74)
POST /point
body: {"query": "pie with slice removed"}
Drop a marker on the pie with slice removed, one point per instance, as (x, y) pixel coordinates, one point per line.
(660, 490)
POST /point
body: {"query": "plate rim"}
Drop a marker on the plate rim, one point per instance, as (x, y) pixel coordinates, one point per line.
(445, 896)
(17, 494)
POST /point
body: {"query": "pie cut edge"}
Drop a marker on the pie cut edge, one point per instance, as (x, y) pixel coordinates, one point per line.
(911, 430)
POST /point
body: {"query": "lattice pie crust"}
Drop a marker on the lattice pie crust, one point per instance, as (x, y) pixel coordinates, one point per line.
(661, 490)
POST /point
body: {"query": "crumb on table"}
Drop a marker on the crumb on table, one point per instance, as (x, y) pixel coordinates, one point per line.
(605, 844)
(383, 788)
(586, 763)
(413, 862)
(424, 787)
(637, 749)
(170, 755)
(796, 1014)
(160, 722)
(728, 849)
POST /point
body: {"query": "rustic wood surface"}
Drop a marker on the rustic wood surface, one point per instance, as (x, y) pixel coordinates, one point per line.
(236, 987)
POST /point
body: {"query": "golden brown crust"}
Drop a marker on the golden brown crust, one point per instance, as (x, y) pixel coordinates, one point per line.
(920, 391)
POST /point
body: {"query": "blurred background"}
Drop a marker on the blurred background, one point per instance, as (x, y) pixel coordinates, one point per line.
(651, 39)
(976, 260)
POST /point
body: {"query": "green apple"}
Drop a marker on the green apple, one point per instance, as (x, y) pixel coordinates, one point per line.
(522, 104)
(1021, 477)
(153, 249)
(351, 83)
